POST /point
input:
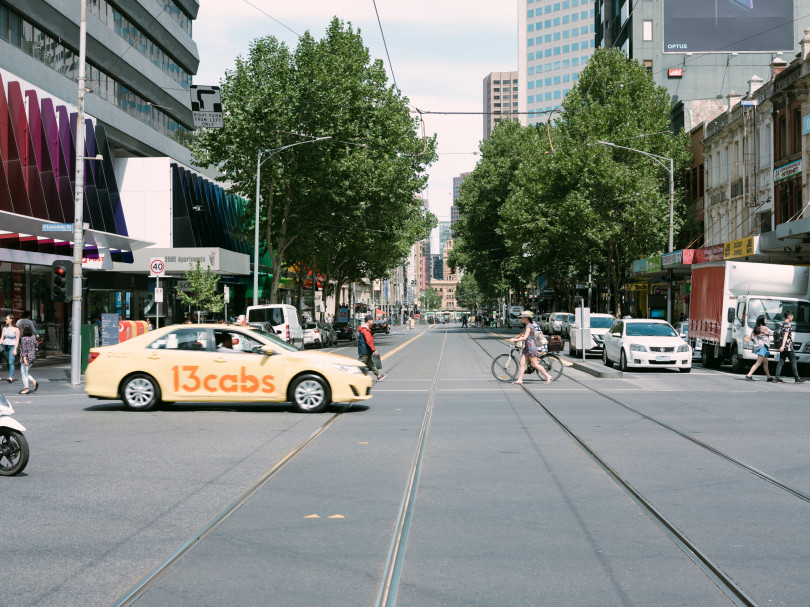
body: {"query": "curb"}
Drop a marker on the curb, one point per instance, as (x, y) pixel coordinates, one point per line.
(602, 372)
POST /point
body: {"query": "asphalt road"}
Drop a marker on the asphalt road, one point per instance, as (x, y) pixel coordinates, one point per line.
(507, 510)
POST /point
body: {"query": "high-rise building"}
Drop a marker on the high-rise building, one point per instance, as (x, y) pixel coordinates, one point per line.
(500, 99)
(555, 40)
(140, 191)
(703, 50)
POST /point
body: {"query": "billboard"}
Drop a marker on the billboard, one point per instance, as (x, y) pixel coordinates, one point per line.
(726, 26)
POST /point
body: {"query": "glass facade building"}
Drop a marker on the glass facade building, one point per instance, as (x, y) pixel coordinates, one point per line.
(556, 38)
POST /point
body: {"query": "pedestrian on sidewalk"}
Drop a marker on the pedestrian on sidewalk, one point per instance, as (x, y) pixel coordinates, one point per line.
(10, 340)
(786, 350)
(28, 354)
(365, 346)
(760, 338)
(531, 336)
(26, 320)
(464, 321)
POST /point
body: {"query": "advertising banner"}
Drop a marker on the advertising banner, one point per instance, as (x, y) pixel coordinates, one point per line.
(788, 170)
(712, 253)
(739, 248)
(726, 26)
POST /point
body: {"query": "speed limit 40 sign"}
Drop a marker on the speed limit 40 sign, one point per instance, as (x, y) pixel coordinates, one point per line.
(157, 267)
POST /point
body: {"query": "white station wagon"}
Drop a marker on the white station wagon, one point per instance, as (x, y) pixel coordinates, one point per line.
(638, 342)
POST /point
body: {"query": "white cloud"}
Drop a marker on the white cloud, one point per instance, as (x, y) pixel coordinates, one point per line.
(440, 50)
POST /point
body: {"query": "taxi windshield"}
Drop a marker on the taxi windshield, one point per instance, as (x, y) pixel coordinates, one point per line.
(276, 341)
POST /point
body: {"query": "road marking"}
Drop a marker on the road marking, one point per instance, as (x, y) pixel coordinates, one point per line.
(312, 516)
(398, 348)
(336, 516)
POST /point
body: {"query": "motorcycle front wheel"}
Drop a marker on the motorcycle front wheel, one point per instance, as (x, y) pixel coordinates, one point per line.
(13, 452)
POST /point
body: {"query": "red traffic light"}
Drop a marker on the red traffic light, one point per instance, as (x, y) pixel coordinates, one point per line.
(59, 271)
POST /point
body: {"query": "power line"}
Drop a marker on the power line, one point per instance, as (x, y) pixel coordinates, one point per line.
(273, 18)
(385, 44)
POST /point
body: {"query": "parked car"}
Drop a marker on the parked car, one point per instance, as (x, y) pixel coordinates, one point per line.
(281, 319)
(381, 326)
(600, 324)
(344, 331)
(639, 342)
(683, 330)
(542, 322)
(221, 364)
(313, 335)
(566, 326)
(330, 333)
(555, 323)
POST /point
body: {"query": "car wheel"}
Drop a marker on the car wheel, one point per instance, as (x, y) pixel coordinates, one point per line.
(309, 394)
(622, 361)
(605, 358)
(140, 392)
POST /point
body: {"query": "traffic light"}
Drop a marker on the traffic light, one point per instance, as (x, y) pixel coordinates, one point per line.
(61, 277)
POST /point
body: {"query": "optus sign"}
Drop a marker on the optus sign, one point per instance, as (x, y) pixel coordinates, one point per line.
(186, 379)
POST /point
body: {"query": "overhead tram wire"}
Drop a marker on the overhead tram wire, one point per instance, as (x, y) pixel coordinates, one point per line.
(266, 14)
(385, 44)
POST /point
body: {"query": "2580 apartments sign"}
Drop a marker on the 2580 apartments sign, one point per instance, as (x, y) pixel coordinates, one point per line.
(726, 26)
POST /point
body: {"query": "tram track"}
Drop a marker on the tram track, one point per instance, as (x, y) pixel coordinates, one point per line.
(393, 565)
(713, 571)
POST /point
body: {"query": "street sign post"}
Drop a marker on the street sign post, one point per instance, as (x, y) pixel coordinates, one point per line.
(157, 268)
(206, 106)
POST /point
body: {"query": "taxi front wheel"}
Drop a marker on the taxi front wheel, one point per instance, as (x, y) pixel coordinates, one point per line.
(310, 394)
(140, 392)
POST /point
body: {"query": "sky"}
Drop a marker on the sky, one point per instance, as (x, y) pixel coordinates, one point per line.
(440, 51)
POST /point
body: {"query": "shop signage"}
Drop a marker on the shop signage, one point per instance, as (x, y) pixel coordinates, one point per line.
(806, 125)
(638, 286)
(644, 266)
(712, 253)
(675, 72)
(789, 170)
(671, 259)
(109, 329)
(739, 248)
(654, 264)
(57, 227)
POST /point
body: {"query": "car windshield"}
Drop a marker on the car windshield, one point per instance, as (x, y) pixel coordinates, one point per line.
(649, 329)
(275, 340)
(774, 312)
(598, 322)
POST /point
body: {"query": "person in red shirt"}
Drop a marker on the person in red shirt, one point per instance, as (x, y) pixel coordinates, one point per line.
(365, 347)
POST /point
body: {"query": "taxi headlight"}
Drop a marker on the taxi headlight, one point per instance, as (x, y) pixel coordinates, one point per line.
(683, 348)
(348, 369)
(637, 348)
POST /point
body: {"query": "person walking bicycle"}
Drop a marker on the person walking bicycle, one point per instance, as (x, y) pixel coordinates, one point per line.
(530, 337)
(786, 350)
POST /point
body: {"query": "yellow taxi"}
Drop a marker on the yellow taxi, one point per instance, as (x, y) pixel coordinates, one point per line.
(221, 363)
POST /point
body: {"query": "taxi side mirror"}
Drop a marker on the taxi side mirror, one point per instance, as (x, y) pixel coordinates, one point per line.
(268, 350)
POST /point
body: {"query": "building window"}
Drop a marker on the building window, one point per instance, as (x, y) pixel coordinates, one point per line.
(788, 200)
(647, 31)
(796, 140)
(648, 65)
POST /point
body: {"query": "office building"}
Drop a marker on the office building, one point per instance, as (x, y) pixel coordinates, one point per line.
(703, 50)
(500, 99)
(142, 198)
(555, 40)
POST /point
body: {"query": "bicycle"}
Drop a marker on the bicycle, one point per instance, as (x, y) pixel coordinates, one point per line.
(505, 366)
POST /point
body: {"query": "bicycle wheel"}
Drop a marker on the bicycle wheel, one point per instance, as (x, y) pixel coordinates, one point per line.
(505, 367)
(552, 364)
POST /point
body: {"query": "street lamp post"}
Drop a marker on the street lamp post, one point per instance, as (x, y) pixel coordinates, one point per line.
(671, 168)
(267, 155)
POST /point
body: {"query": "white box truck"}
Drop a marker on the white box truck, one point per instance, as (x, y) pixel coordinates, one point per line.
(728, 296)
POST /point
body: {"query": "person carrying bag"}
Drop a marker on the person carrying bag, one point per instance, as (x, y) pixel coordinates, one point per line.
(365, 348)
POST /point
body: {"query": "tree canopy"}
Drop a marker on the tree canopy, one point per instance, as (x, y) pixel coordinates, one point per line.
(555, 200)
(345, 205)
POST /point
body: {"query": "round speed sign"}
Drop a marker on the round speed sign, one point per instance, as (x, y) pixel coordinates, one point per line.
(157, 266)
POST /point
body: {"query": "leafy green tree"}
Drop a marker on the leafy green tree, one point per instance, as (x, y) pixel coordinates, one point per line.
(430, 299)
(202, 294)
(480, 246)
(345, 205)
(468, 295)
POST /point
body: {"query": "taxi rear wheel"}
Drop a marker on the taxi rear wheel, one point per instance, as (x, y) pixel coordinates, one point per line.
(140, 392)
(310, 394)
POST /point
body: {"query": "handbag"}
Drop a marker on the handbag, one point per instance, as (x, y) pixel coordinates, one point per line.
(377, 360)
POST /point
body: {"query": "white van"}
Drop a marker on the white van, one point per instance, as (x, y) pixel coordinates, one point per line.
(281, 319)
